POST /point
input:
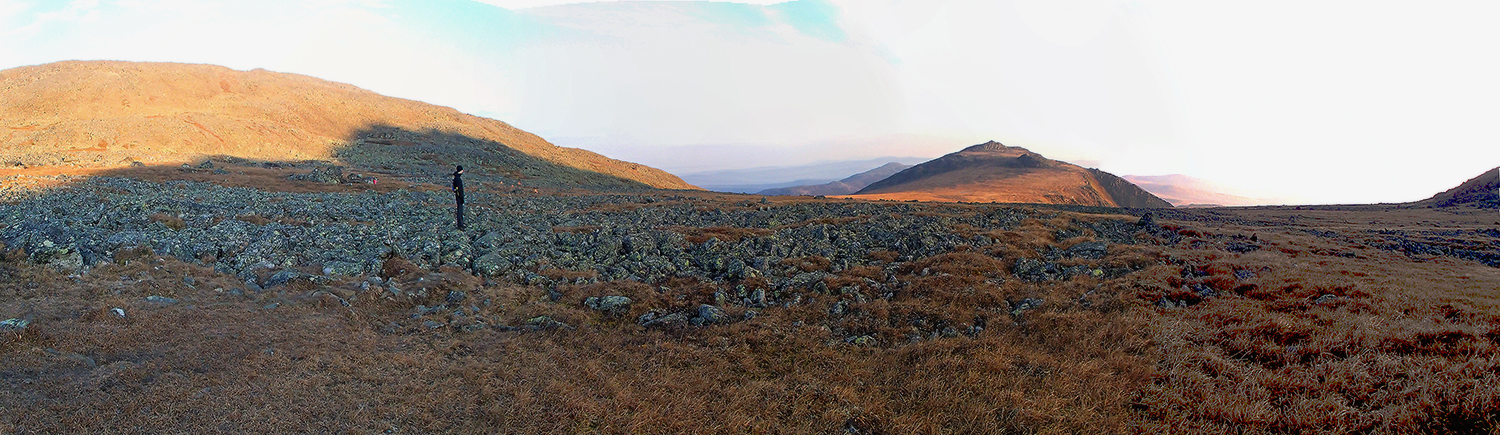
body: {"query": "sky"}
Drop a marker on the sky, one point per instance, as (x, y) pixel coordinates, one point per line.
(1303, 101)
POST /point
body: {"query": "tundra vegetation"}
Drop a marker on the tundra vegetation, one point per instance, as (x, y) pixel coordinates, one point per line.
(194, 301)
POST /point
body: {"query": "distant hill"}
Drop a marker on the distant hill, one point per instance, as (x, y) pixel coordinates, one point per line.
(105, 113)
(841, 187)
(994, 172)
(1482, 191)
(1185, 191)
(752, 180)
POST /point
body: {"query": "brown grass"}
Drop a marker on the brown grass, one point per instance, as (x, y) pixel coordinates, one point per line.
(173, 222)
(1292, 338)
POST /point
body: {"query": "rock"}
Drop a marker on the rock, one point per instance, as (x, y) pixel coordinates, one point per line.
(207, 164)
(283, 277)
(456, 297)
(1090, 250)
(1328, 300)
(1244, 274)
(544, 323)
(343, 268)
(492, 265)
(660, 319)
(81, 359)
(1147, 220)
(863, 340)
(325, 174)
(1036, 271)
(1241, 247)
(9, 325)
(1018, 307)
(612, 305)
(708, 315)
(160, 300)
(118, 312)
(429, 324)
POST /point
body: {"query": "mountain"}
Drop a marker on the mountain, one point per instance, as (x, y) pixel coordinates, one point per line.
(841, 187)
(994, 172)
(106, 113)
(752, 180)
(1482, 192)
(1185, 191)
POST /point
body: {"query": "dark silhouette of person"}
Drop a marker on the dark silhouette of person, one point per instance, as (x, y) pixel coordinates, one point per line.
(458, 195)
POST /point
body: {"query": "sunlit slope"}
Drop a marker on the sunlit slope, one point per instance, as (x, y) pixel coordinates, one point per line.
(995, 172)
(106, 113)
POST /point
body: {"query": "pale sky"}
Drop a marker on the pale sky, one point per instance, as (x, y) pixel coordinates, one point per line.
(1321, 101)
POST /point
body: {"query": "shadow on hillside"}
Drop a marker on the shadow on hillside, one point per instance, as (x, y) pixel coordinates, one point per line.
(375, 158)
(431, 155)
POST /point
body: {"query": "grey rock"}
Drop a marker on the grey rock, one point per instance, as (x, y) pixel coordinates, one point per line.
(708, 315)
(8, 325)
(283, 277)
(544, 323)
(456, 297)
(492, 265)
(660, 319)
(612, 305)
(160, 300)
(343, 268)
(1090, 250)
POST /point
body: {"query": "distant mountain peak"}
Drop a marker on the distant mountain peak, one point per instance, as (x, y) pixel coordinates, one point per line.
(993, 172)
(993, 146)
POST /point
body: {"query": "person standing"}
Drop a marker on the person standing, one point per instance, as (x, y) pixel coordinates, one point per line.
(458, 195)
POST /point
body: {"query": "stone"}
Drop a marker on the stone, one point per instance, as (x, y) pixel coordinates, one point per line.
(544, 323)
(160, 300)
(456, 297)
(492, 265)
(1147, 220)
(660, 319)
(118, 312)
(343, 268)
(9, 325)
(708, 315)
(1089, 250)
(1241, 247)
(612, 305)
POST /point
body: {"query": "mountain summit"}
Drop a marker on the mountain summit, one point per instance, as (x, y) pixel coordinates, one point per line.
(107, 113)
(992, 171)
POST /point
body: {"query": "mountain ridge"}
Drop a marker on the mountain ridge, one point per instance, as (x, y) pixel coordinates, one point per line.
(110, 113)
(848, 185)
(994, 172)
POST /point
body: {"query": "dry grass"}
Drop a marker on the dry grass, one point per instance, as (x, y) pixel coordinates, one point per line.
(724, 234)
(1305, 339)
(1309, 334)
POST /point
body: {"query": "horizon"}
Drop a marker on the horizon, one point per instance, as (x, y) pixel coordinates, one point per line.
(1134, 88)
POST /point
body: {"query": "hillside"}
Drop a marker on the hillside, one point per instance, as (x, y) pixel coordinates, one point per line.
(1482, 191)
(994, 172)
(841, 187)
(106, 113)
(752, 180)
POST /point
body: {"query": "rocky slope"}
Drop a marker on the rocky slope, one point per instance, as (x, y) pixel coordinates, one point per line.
(1482, 191)
(994, 172)
(841, 187)
(105, 113)
(268, 238)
